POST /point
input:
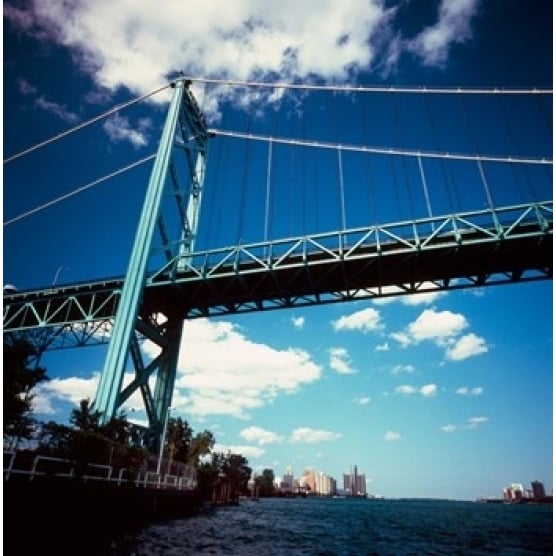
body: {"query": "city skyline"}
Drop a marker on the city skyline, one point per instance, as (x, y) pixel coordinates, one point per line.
(439, 384)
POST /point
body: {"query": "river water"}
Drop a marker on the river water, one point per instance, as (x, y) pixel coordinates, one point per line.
(352, 527)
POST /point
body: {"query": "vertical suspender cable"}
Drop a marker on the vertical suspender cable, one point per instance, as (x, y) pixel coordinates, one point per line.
(267, 205)
(485, 185)
(342, 197)
(425, 189)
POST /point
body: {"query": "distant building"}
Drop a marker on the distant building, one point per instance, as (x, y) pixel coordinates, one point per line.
(287, 482)
(308, 481)
(355, 484)
(514, 492)
(324, 484)
(538, 490)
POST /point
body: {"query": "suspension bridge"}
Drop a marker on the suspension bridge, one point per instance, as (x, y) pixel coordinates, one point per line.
(307, 218)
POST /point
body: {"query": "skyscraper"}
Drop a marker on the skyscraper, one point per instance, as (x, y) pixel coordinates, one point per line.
(355, 484)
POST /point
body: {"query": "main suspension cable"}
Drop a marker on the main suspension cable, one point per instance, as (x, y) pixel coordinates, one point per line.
(382, 150)
(84, 124)
(372, 88)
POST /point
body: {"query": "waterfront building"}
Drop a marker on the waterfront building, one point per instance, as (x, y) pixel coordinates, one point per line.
(514, 492)
(308, 481)
(287, 482)
(354, 483)
(324, 484)
(538, 490)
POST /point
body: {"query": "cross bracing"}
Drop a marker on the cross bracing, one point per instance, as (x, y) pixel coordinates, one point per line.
(481, 248)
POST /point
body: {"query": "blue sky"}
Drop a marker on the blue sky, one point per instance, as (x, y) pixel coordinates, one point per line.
(441, 394)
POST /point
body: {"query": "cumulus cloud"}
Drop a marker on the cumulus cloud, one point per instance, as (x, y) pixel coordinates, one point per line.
(298, 322)
(71, 389)
(425, 298)
(260, 436)
(466, 391)
(119, 129)
(453, 26)
(442, 328)
(392, 436)
(339, 361)
(221, 372)
(466, 346)
(383, 347)
(427, 390)
(474, 422)
(138, 44)
(436, 325)
(311, 436)
(246, 451)
(364, 400)
(365, 320)
(402, 369)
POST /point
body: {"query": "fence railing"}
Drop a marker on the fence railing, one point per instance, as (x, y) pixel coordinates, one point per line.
(42, 466)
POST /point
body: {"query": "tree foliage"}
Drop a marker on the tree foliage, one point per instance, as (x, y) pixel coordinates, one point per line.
(19, 380)
(264, 484)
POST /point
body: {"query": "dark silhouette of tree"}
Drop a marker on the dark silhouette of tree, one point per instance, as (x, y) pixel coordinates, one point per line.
(264, 484)
(85, 419)
(201, 445)
(19, 380)
(183, 446)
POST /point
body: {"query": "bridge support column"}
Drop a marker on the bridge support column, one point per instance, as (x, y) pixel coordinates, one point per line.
(128, 308)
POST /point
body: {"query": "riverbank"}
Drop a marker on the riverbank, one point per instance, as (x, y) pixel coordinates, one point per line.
(70, 516)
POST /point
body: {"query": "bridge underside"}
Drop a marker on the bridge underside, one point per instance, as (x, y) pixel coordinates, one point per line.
(454, 253)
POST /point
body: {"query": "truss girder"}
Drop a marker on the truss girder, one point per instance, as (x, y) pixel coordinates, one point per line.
(453, 252)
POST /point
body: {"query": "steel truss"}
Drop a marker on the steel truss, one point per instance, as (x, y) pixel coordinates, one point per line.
(472, 249)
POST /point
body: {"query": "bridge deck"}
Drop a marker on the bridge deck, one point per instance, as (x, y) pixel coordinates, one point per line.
(250, 283)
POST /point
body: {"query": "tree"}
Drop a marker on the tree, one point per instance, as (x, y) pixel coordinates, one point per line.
(264, 483)
(85, 419)
(201, 445)
(19, 381)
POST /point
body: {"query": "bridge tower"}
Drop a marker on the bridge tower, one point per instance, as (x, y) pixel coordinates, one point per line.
(167, 229)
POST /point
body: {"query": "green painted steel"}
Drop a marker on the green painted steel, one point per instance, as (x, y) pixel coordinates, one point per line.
(184, 134)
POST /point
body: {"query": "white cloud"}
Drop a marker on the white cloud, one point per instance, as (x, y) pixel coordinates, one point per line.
(119, 129)
(260, 436)
(443, 328)
(405, 389)
(474, 422)
(466, 391)
(392, 436)
(453, 26)
(466, 346)
(298, 322)
(364, 400)
(428, 390)
(221, 372)
(245, 451)
(425, 298)
(72, 390)
(339, 361)
(383, 347)
(365, 320)
(138, 44)
(57, 109)
(311, 436)
(402, 369)
(436, 325)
